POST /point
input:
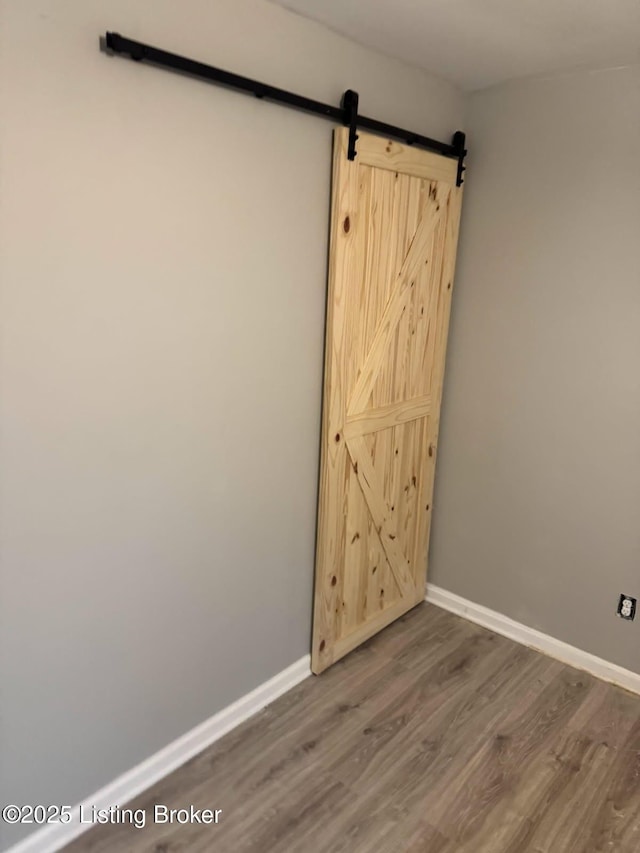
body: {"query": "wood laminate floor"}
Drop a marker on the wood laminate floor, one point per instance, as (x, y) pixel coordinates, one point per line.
(437, 736)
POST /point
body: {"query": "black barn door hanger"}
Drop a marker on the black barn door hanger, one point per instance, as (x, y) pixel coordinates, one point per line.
(346, 114)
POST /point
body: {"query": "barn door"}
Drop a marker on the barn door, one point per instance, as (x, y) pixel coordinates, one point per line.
(394, 229)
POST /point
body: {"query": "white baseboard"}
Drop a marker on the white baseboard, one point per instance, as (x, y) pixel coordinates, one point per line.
(53, 837)
(535, 639)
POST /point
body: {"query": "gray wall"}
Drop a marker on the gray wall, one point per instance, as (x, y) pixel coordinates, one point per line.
(537, 504)
(163, 261)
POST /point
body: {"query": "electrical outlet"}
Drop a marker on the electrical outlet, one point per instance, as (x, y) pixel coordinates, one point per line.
(626, 607)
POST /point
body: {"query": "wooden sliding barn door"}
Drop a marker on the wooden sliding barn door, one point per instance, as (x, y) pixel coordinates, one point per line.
(394, 229)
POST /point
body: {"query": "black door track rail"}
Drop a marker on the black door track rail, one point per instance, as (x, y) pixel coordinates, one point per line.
(346, 114)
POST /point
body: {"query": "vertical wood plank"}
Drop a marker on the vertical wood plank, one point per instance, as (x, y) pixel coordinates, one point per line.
(441, 316)
(334, 463)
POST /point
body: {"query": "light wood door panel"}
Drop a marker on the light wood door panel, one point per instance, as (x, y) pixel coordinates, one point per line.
(394, 229)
